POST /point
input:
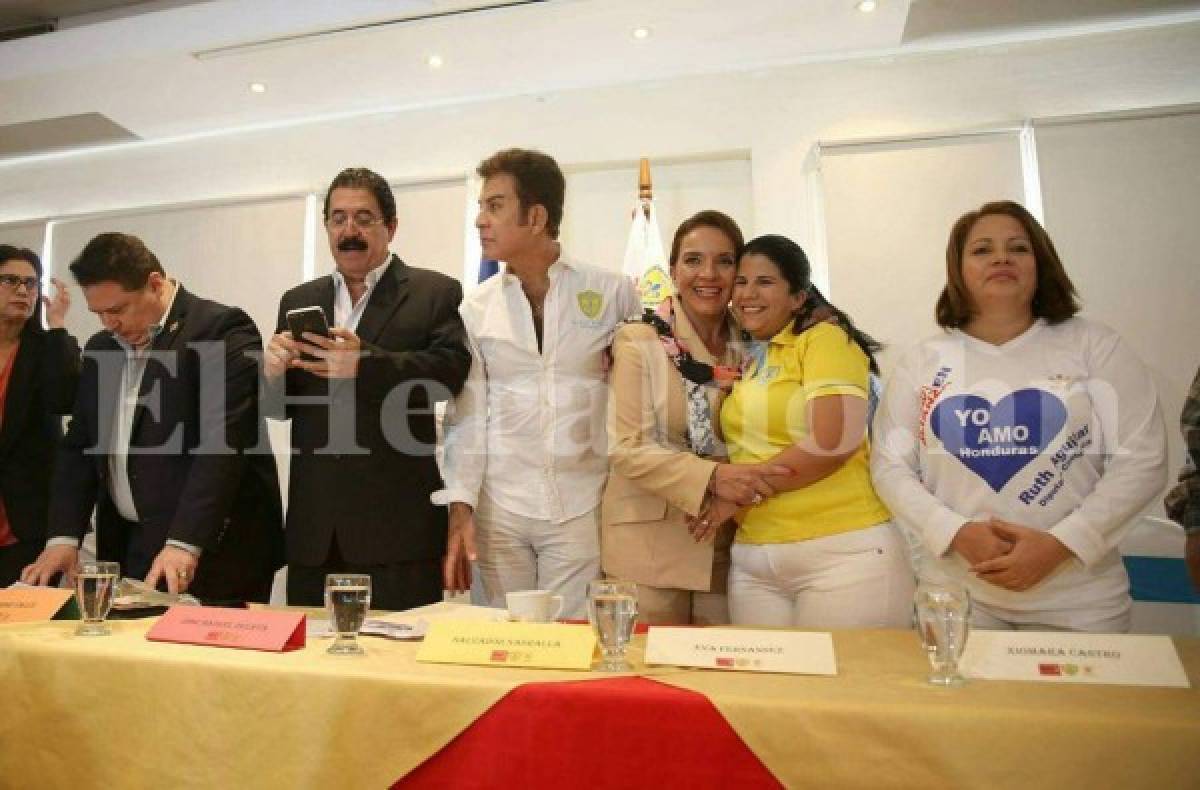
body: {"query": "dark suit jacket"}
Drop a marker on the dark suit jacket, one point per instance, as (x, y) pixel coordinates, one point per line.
(200, 466)
(40, 388)
(369, 480)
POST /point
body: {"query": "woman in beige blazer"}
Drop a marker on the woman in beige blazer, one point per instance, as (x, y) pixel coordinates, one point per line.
(670, 372)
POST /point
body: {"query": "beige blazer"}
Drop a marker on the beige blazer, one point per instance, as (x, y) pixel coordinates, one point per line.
(654, 482)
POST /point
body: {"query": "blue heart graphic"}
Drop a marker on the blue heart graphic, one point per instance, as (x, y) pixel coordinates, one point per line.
(996, 442)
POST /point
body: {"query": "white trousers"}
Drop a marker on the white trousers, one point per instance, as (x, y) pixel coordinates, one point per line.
(1100, 622)
(519, 553)
(859, 579)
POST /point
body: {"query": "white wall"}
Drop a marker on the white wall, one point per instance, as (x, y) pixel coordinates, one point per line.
(1121, 202)
(599, 203)
(238, 254)
(888, 212)
(29, 235)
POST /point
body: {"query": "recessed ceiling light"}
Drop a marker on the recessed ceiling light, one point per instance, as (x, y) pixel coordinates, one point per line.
(434, 61)
(867, 6)
(641, 32)
(258, 87)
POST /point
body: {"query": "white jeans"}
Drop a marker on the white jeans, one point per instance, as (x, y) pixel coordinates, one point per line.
(859, 579)
(519, 553)
(1099, 622)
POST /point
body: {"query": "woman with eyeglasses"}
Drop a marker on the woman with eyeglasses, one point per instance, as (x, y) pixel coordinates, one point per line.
(39, 369)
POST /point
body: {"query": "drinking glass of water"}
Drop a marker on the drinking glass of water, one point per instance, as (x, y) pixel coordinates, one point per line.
(943, 621)
(347, 599)
(94, 585)
(612, 610)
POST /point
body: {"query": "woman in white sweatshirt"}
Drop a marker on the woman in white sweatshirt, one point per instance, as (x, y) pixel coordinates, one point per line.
(1018, 445)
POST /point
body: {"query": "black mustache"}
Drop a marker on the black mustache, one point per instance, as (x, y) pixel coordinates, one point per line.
(346, 245)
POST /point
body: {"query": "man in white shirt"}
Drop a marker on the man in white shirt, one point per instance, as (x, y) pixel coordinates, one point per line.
(526, 451)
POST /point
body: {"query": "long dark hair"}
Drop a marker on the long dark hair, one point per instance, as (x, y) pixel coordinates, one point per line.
(10, 253)
(793, 264)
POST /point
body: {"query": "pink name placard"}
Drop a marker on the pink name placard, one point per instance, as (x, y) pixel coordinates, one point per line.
(252, 629)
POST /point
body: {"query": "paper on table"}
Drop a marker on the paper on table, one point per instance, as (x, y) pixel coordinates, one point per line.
(445, 610)
(136, 594)
(321, 629)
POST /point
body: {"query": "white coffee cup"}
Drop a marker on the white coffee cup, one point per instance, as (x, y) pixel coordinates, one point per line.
(533, 606)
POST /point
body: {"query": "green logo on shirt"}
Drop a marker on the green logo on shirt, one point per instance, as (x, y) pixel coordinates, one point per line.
(590, 303)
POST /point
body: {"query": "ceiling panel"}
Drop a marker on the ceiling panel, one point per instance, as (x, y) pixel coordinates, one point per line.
(931, 19)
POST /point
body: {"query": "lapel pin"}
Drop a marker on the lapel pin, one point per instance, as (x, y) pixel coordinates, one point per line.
(174, 325)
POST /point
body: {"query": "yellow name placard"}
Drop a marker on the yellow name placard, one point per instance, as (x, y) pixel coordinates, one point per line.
(540, 645)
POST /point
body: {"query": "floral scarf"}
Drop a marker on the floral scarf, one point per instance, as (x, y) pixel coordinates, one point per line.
(697, 377)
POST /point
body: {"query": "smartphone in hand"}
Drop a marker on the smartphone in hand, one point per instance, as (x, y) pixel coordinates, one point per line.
(307, 319)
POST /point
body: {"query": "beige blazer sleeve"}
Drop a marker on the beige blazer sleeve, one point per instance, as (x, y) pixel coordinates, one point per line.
(647, 422)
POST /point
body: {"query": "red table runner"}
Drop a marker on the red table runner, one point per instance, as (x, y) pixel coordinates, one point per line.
(610, 733)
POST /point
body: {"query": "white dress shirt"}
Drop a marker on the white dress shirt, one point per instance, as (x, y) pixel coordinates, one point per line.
(128, 392)
(528, 429)
(347, 312)
(125, 408)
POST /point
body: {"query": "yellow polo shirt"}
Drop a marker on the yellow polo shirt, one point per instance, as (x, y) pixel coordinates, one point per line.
(767, 412)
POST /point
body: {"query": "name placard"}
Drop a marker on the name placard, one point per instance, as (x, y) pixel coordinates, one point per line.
(252, 629)
(1055, 657)
(744, 650)
(540, 645)
(25, 604)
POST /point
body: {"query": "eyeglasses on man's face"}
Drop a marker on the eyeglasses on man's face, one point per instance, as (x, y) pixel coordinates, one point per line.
(14, 281)
(361, 219)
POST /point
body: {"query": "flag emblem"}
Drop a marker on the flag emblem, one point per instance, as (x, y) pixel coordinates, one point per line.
(590, 303)
(655, 286)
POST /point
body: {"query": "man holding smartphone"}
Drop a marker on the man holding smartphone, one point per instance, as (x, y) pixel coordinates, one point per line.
(361, 403)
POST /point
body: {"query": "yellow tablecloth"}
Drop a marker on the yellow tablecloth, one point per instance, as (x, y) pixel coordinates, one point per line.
(879, 725)
(124, 712)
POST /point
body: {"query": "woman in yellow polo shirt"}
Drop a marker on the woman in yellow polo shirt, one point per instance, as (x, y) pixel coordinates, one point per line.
(821, 553)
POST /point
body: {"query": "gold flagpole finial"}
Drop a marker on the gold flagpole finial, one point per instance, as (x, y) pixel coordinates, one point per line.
(645, 187)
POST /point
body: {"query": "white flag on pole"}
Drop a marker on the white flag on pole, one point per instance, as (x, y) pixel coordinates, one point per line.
(645, 260)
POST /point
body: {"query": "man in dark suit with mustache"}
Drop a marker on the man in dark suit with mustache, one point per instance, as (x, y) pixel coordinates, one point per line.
(361, 407)
(164, 439)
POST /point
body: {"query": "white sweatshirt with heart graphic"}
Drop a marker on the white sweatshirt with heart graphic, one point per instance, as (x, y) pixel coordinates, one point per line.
(1059, 429)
